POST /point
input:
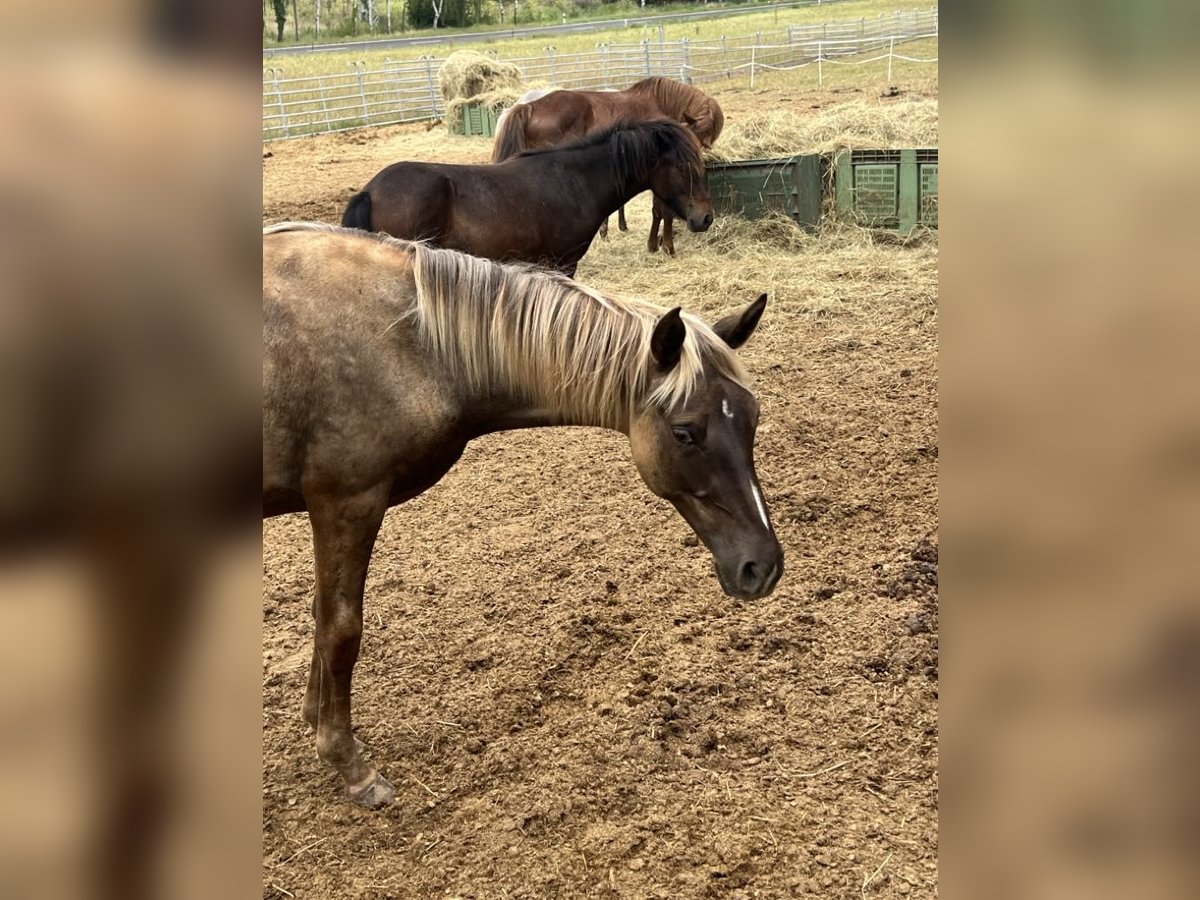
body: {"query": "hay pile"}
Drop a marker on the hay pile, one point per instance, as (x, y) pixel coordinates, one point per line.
(466, 74)
(861, 123)
(494, 100)
(470, 77)
(737, 258)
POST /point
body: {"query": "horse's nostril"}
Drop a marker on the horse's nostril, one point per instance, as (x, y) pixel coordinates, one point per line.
(749, 573)
(708, 220)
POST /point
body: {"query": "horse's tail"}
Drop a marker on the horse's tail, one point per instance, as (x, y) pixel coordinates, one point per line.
(510, 137)
(358, 212)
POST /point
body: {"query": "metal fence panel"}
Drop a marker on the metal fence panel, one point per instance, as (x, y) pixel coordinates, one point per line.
(406, 91)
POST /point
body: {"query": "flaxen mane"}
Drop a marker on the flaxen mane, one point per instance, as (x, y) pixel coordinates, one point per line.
(683, 102)
(509, 327)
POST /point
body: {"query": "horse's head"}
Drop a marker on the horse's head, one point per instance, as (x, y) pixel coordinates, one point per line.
(679, 179)
(700, 456)
(705, 120)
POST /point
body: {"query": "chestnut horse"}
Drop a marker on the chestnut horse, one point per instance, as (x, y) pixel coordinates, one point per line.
(552, 118)
(384, 358)
(541, 206)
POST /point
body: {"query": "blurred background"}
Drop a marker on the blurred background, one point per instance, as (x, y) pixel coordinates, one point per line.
(130, 694)
(130, 717)
(1071, 450)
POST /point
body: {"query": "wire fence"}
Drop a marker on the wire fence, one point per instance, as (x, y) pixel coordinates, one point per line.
(407, 91)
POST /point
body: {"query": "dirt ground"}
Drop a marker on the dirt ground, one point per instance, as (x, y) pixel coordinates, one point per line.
(550, 674)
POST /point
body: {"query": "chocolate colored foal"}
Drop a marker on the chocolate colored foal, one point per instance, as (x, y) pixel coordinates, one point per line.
(383, 358)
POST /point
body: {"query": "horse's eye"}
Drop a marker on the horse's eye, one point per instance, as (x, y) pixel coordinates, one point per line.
(683, 435)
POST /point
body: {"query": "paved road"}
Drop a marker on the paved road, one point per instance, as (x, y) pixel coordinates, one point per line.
(469, 37)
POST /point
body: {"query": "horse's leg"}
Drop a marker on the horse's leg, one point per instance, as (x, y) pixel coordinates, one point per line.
(656, 217)
(604, 229)
(312, 694)
(621, 219)
(668, 238)
(344, 531)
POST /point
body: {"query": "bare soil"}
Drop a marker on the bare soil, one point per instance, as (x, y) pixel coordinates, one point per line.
(568, 704)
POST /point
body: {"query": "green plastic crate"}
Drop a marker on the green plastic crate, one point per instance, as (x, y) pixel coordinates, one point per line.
(477, 121)
(752, 188)
(892, 189)
(927, 169)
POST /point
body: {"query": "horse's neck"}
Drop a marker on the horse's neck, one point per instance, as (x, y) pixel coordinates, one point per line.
(510, 402)
(654, 103)
(613, 193)
(491, 414)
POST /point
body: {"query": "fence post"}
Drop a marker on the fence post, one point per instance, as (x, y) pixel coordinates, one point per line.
(646, 51)
(433, 98)
(550, 60)
(324, 101)
(891, 51)
(820, 59)
(725, 56)
(602, 46)
(287, 130)
(362, 94)
(684, 73)
(399, 93)
(753, 52)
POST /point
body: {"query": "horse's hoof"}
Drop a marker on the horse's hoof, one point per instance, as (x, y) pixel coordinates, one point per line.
(622, 226)
(376, 795)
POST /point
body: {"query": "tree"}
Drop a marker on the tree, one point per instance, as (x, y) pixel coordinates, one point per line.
(280, 16)
(436, 13)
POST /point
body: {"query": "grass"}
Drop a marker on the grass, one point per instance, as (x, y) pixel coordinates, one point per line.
(296, 65)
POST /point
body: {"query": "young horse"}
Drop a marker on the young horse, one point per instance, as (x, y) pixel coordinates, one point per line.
(543, 206)
(383, 358)
(548, 118)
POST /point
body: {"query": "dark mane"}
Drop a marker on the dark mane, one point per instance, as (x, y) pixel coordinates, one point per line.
(636, 146)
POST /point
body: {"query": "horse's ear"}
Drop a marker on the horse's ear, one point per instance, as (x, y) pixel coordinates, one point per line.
(736, 328)
(666, 344)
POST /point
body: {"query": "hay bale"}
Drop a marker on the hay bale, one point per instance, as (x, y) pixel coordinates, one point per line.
(467, 74)
(494, 100)
(858, 124)
(497, 101)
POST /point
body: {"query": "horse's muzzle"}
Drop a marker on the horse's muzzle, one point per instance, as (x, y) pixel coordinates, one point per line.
(752, 578)
(700, 223)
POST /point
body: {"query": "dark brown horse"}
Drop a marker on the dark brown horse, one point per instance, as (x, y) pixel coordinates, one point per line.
(542, 206)
(383, 358)
(552, 118)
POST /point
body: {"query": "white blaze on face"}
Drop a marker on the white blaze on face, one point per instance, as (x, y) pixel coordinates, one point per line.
(762, 509)
(758, 500)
